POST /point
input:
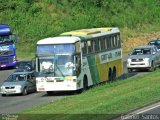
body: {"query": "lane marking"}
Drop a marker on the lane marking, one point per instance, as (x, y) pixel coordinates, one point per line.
(131, 115)
(148, 109)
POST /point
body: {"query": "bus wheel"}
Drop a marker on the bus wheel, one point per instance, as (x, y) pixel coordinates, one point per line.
(110, 75)
(85, 83)
(49, 92)
(3, 95)
(114, 74)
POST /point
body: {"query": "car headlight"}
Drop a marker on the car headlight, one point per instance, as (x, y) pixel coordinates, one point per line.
(128, 60)
(2, 87)
(18, 87)
(146, 59)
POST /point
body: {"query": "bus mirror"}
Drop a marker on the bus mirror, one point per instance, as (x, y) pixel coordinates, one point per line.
(55, 57)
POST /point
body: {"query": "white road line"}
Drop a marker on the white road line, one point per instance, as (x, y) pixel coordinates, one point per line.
(131, 115)
(148, 109)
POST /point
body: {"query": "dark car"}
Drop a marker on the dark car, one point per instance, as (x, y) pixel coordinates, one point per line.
(19, 83)
(155, 42)
(24, 66)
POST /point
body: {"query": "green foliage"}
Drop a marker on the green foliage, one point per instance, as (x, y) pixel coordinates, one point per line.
(36, 19)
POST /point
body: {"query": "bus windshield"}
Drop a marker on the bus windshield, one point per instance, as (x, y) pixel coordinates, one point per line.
(57, 65)
(55, 49)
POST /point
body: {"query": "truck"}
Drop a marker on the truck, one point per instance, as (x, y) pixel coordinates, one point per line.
(146, 57)
(7, 47)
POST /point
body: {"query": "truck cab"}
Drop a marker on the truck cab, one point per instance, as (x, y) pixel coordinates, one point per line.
(7, 47)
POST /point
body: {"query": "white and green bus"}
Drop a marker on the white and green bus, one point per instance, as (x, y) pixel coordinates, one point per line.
(78, 59)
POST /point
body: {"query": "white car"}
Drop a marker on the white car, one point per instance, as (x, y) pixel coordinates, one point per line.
(144, 57)
(19, 83)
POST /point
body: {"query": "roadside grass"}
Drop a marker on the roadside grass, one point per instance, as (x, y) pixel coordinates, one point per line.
(101, 102)
(25, 55)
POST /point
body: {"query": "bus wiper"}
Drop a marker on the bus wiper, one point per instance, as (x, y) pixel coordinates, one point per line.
(47, 72)
(59, 70)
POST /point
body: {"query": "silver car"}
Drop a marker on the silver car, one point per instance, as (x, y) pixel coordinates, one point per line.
(19, 83)
(144, 57)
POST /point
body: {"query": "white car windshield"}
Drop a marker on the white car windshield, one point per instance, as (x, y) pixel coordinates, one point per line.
(16, 77)
(142, 51)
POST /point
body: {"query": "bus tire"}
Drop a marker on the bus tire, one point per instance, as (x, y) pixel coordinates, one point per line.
(3, 95)
(49, 92)
(110, 75)
(114, 73)
(85, 83)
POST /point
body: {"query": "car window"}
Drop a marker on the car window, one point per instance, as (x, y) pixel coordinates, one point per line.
(16, 77)
(141, 51)
(158, 42)
(152, 43)
(154, 50)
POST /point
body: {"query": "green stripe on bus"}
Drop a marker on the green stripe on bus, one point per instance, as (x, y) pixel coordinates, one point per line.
(93, 69)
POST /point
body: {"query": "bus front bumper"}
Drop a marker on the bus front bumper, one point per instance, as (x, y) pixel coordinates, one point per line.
(57, 86)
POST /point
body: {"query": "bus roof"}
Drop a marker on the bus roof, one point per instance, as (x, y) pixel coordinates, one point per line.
(58, 40)
(92, 32)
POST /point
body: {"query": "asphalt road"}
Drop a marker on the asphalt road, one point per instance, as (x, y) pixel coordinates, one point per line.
(17, 103)
(150, 112)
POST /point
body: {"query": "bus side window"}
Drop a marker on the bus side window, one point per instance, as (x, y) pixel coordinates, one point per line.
(84, 47)
(96, 44)
(113, 41)
(103, 43)
(78, 64)
(89, 46)
(118, 40)
(109, 42)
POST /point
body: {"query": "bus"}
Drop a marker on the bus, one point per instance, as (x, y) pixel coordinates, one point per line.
(7, 47)
(78, 59)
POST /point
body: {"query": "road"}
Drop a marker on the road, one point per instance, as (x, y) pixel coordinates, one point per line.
(17, 103)
(150, 112)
